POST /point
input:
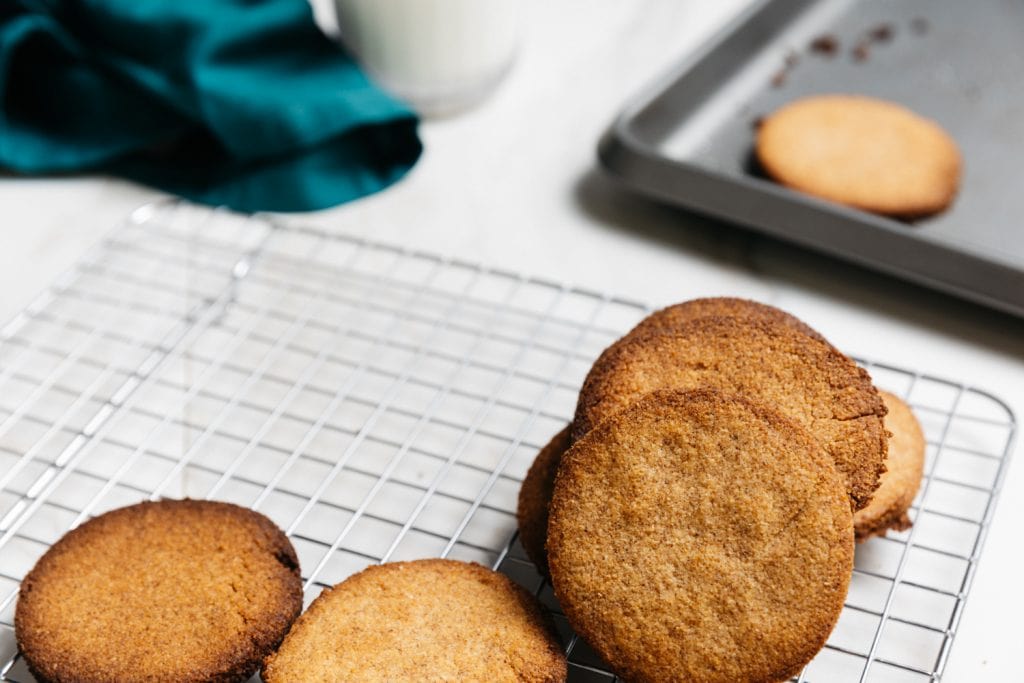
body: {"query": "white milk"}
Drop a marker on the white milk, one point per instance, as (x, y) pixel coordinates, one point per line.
(440, 55)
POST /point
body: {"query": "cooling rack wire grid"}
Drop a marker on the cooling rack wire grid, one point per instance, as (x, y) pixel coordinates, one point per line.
(380, 403)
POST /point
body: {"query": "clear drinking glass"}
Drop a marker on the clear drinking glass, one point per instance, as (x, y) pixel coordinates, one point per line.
(439, 55)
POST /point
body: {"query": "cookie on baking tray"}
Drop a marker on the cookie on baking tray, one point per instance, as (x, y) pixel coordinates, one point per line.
(424, 620)
(534, 496)
(803, 377)
(863, 152)
(700, 536)
(175, 590)
(899, 485)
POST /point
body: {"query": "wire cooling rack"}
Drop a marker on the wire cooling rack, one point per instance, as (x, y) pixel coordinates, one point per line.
(380, 403)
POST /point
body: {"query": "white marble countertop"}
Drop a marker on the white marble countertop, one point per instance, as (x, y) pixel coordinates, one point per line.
(514, 182)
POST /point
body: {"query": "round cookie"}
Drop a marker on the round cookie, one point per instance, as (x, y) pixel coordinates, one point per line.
(176, 590)
(804, 378)
(669, 319)
(898, 487)
(863, 152)
(405, 621)
(702, 537)
(534, 496)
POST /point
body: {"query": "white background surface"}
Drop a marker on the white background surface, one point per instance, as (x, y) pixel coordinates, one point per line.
(514, 183)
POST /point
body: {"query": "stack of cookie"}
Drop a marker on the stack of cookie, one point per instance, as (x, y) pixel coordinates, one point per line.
(697, 517)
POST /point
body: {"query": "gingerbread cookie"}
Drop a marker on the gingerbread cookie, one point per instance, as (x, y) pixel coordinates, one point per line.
(702, 537)
(437, 620)
(177, 590)
(863, 152)
(905, 464)
(670, 318)
(802, 377)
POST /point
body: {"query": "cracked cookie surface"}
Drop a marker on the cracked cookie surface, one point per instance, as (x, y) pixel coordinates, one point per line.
(437, 620)
(696, 536)
(175, 590)
(804, 378)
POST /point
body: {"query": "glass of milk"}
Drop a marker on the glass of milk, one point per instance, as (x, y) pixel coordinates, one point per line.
(439, 55)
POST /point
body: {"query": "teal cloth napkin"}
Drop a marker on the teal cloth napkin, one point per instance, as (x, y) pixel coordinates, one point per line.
(243, 103)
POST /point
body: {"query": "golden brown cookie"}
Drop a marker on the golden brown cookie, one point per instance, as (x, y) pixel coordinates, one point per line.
(670, 318)
(905, 464)
(868, 153)
(804, 378)
(534, 496)
(438, 620)
(701, 537)
(177, 590)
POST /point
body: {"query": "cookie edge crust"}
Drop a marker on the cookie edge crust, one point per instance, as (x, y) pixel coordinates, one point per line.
(531, 508)
(896, 517)
(742, 308)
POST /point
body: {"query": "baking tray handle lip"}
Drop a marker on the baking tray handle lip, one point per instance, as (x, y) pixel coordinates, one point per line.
(654, 87)
(620, 150)
(618, 143)
(620, 139)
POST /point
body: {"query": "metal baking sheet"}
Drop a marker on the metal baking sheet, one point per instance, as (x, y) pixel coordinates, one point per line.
(689, 138)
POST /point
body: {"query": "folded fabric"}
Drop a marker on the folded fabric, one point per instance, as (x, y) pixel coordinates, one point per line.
(243, 103)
